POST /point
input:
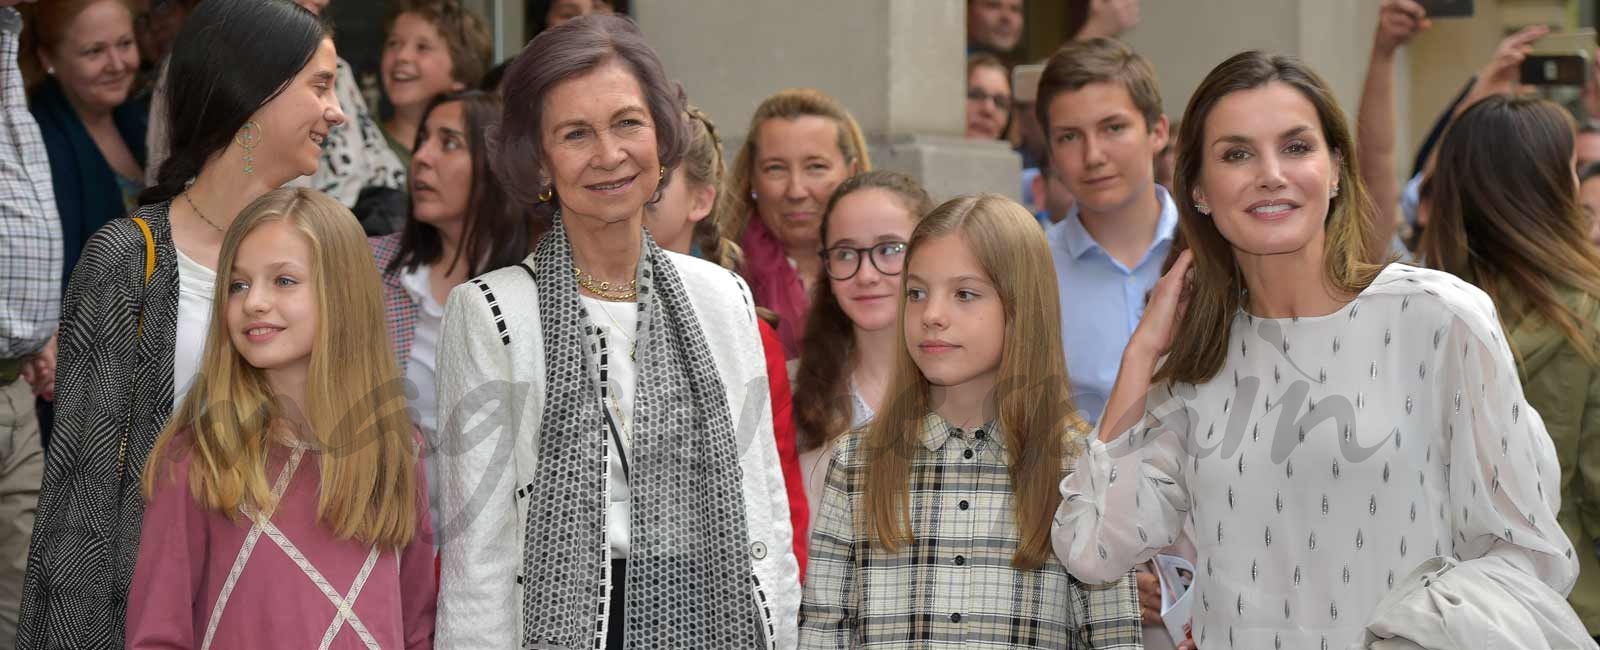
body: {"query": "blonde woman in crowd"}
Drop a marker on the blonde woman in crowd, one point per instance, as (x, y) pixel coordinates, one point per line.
(802, 145)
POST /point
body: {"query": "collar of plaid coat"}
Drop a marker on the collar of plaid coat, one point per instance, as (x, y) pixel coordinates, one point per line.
(936, 431)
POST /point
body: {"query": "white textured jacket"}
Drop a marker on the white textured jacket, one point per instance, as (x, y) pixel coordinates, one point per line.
(491, 397)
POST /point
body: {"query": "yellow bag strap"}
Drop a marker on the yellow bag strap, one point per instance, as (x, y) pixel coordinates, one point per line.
(149, 270)
(149, 249)
(149, 263)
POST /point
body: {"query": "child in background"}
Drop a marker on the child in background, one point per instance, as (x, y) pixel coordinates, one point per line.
(934, 528)
(287, 506)
(849, 347)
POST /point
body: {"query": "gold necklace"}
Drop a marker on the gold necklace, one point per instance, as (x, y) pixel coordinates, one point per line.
(200, 214)
(603, 290)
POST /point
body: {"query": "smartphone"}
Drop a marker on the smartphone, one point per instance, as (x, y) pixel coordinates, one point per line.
(1447, 8)
(1555, 70)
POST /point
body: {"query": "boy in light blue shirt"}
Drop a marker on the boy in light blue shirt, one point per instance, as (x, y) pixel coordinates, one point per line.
(1100, 108)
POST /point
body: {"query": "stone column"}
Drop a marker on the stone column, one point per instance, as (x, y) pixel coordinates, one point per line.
(899, 66)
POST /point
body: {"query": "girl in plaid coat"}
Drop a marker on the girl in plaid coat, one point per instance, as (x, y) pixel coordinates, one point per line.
(934, 525)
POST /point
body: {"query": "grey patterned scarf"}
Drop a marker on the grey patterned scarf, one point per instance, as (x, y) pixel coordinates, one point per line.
(689, 581)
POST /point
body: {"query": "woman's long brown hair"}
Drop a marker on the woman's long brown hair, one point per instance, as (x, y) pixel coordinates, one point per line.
(1032, 394)
(1506, 215)
(1200, 344)
(822, 405)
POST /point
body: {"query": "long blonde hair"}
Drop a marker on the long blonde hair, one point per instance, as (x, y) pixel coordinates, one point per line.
(1034, 400)
(1200, 344)
(368, 458)
(790, 104)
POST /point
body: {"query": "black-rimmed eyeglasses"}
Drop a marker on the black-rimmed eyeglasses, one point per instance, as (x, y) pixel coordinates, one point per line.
(844, 262)
(1001, 101)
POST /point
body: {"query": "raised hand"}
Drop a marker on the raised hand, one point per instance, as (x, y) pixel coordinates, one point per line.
(1500, 75)
(1168, 301)
(1149, 342)
(1398, 22)
(1110, 18)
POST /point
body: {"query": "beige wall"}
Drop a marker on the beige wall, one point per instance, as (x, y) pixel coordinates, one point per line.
(885, 60)
(1185, 39)
(897, 65)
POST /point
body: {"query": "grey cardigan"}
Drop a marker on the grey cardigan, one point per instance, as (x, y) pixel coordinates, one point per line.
(113, 376)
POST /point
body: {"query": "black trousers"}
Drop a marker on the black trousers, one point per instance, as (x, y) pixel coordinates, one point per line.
(619, 578)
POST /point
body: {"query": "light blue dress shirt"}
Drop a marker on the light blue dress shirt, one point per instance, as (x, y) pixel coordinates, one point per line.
(1102, 300)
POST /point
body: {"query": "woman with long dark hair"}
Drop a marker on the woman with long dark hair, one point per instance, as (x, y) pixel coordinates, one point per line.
(459, 225)
(1506, 217)
(609, 467)
(1327, 425)
(251, 89)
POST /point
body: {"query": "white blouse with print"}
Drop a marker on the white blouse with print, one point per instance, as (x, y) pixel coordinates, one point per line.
(1328, 458)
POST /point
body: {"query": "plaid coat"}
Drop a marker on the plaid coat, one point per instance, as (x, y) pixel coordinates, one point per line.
(953, 586)
(400, 310)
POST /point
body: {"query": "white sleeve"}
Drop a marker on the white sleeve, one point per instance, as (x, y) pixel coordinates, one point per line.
(1125, 500)
(1503, 476)
(479, 407)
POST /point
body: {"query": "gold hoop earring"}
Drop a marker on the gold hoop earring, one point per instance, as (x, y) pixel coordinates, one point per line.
(547, 194)
(248, 138)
